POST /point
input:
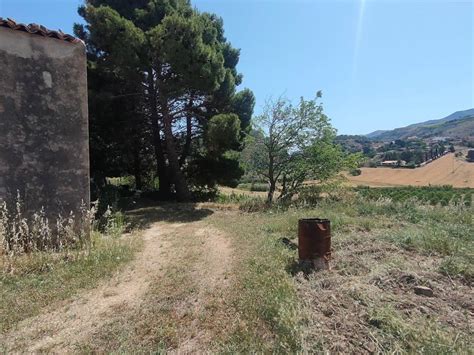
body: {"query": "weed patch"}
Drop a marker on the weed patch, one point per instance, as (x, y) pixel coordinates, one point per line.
(41, 279)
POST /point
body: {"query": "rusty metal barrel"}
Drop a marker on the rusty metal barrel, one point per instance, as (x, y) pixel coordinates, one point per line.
(314, 242)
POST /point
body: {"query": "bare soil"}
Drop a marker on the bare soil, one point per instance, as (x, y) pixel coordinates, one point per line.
(447, 170)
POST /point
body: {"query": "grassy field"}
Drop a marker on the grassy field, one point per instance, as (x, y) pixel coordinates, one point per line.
(367, 302)
(437, 195)
(446, 170)
(219, 280)
(34, 283)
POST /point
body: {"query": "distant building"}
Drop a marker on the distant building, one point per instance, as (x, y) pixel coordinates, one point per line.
(438, 139)
(393, 163)
(470, 156)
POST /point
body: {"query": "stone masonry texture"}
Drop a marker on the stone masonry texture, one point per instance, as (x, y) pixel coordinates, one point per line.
(44, 143)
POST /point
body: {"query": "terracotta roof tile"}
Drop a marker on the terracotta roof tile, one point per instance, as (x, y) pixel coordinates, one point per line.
(38, 30)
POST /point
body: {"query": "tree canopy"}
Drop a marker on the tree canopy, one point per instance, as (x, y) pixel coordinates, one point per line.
(163, 93)
(293, 144)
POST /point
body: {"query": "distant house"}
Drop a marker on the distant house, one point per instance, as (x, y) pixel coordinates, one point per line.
(470, 156)
(393, 163)
(437, 139)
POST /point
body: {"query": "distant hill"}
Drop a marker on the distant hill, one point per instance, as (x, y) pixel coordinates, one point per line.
(460, 124)
(376, 133)
(353, 143)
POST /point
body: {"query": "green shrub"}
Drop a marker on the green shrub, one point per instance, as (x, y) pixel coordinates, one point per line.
(263, 187)
(355, 172)
(253, 205)
(244, 186)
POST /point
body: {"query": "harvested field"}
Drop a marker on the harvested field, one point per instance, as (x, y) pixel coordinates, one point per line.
(447, 170)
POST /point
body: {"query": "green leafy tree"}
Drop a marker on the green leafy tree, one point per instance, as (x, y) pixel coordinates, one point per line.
(292, 144)
(182, 70)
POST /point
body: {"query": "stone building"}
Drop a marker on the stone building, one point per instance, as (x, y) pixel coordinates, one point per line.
(44, 143)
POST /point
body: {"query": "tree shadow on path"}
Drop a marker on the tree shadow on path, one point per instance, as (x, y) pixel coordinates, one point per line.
(144, 217)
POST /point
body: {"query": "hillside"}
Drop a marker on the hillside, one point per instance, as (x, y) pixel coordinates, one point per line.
(444, 171)
(457, 125)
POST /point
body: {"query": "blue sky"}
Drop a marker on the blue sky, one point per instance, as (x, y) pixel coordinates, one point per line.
(380, 64)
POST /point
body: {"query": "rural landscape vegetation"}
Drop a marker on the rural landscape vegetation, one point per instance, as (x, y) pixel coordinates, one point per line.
(190, 245)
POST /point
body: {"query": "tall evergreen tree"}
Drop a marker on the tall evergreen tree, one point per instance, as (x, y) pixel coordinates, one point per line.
(180, 72)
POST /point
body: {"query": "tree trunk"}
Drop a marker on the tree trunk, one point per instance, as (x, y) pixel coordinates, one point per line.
(271, 192)
(161, 167)
(271, 176)
(187, 144)
(162, 171)
(137, 170)
(181, 186)
(283, 188)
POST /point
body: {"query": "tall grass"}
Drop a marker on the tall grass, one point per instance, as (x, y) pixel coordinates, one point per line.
(43, 262)
(25, 233)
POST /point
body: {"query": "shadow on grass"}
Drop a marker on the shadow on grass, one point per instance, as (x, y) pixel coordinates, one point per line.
(146, 214)
(295, 267)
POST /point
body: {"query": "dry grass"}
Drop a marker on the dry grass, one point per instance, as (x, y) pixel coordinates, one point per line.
(185, 307)
(39, 281)
(229, 191)
(216, 291)
(446, 170)
(366, 303)
(224, 281)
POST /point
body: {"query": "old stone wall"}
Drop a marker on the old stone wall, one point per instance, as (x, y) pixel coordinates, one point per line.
(44, 144)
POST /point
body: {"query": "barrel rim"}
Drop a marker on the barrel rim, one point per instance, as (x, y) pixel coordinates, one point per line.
(314, 219)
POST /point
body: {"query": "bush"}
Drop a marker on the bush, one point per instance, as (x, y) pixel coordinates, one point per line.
(253, 186)
(355, 172)
(244, 186)
(259, 187)
(203, 193)
(253, 205)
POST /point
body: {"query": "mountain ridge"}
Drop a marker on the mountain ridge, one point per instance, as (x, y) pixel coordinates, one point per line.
(456, 125)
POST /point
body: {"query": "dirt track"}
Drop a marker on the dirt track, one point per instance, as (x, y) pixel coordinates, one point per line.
(72, 323)
(447, 170)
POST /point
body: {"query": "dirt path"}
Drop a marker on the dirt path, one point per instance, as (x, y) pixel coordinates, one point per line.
(72, 323)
